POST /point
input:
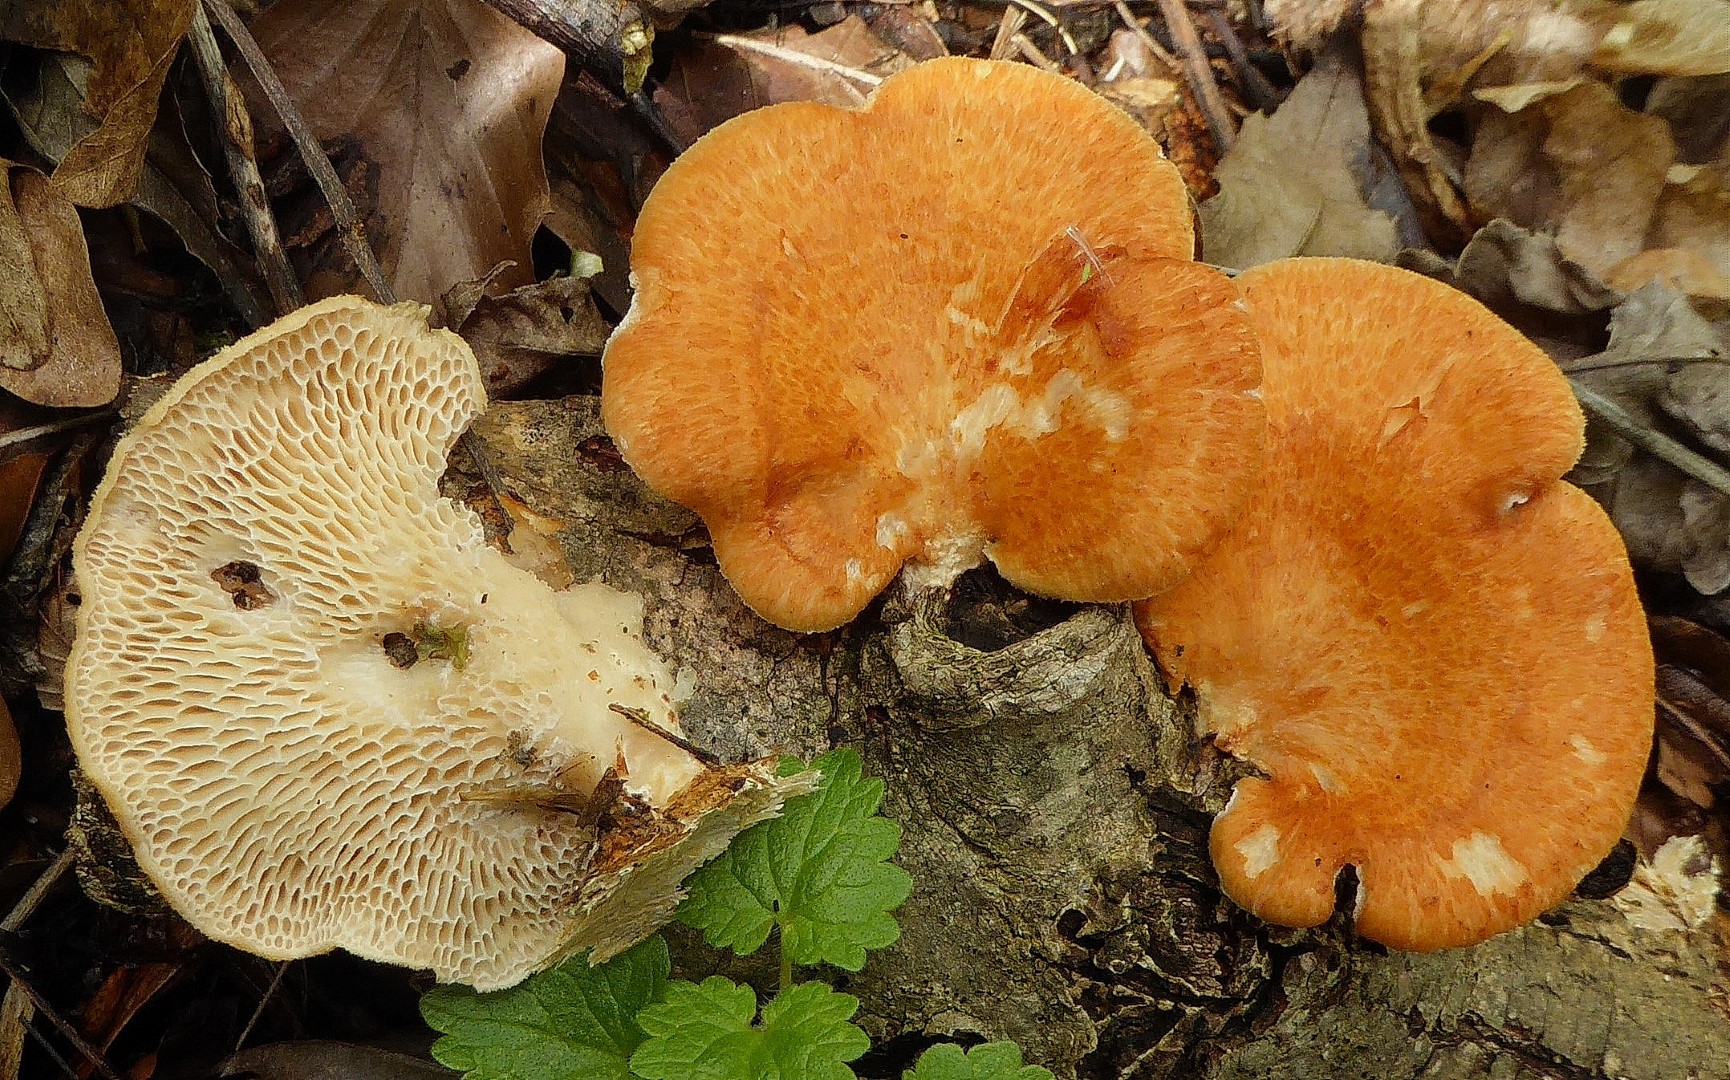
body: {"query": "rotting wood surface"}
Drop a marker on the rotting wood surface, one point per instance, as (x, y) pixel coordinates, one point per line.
(1055, 816)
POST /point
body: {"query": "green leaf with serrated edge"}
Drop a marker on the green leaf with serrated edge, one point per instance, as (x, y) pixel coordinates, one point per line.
(569, 1021)
(704, 1032)
(820, 871)
(992, 1061)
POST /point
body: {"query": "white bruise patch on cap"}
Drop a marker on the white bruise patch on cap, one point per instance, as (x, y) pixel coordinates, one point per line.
(1260, 850)
(1595, 627)
(1585, 751)
(973, 324)
(1326, 779)
(999, 406)
(1521, 597)
(891, 531)
(1482, 860)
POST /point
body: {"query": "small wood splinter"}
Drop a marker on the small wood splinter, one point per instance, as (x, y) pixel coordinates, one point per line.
(1095, 264)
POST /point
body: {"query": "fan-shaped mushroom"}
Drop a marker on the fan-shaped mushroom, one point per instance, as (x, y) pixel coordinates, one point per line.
(328, 715)
(1428, 643)
(958, 323)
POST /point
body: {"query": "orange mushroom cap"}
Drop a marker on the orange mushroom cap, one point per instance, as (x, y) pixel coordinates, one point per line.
(958, 323)
(1427, 641)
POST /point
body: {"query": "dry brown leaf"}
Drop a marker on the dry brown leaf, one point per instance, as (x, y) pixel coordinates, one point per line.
(1691, 225)
(77, 361)
(53, 122)
(1661, 37)
(132, 44)
(328, 1061)
(1294, 183)
(735, 73)
(1423, 58)
(1578, 161)
(1698, 116)
(19, 478)
(23, 301)
(11, 757)
(449, 100)
(525, 332)
(1671, 523)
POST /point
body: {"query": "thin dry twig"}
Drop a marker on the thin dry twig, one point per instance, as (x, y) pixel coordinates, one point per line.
(235, 123)
(1199, 74)
(1008, 28)
(65, 1027)
(18, 1005)
(1045, 15)
(797, 58)
(349, 227)
(38, 890)
(1656, 443)
(1030, 52)
(269, 992)
(1250, 80)
(10, 439)
(1140, 31)
(641, 719)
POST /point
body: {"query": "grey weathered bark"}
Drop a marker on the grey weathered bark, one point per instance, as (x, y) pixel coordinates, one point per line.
(1055, 815)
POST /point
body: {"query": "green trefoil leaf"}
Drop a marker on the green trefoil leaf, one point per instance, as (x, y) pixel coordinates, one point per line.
(705, 1032)
(992, 1061)
(820, 872)
(572, 1020)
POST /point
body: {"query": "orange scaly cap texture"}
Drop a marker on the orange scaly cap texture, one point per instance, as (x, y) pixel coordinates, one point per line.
(1428, 642)
(959, 323)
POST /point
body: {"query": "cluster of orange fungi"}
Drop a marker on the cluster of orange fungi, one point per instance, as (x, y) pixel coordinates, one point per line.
(964, 323)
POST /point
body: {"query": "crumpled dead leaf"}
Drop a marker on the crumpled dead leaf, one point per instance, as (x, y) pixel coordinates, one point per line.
(1524, 277)
(1541, 38)
(1422, 59)
(735, 73)
(1660, 37)
(1666, 366)
(132, 44)
(57, 347)
(326, 1060)
(1693, 695)
(449, 100)
(53, 123)
(1578, 161)
(525, 332)
(1294, 183)
(19, 478)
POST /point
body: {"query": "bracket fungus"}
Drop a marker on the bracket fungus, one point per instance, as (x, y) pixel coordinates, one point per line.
(1427, 642)
(961, 322)
(327, 714)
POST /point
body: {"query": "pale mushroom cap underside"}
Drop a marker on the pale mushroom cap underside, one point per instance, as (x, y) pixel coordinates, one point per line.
(959, 323)
(1428, 642)
(286, 784)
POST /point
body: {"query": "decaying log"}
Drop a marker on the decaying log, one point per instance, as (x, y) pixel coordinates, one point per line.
(1055, 814)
